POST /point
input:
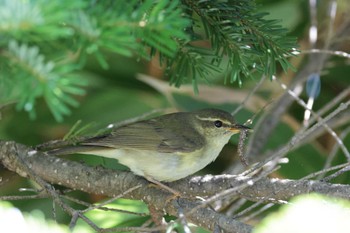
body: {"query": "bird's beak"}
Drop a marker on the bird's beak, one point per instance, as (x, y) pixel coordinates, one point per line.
(237, 128)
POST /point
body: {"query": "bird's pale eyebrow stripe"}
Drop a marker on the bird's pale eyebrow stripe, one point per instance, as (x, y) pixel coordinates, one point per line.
(213, 119)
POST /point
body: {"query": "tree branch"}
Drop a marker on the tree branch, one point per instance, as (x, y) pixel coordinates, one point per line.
(112, 182)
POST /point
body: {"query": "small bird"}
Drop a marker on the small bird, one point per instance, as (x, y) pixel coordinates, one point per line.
(165, 148)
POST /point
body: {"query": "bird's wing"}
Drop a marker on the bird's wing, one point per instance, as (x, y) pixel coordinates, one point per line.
(147, 135)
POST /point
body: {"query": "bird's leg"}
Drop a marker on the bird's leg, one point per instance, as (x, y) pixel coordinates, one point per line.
(163, 186)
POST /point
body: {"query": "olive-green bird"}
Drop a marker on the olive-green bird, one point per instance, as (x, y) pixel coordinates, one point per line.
(165, 148)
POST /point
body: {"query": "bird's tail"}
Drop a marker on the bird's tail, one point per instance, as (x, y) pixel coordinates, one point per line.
(78, 149)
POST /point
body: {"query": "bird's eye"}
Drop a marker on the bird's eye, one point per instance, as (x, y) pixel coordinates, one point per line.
(218, 124)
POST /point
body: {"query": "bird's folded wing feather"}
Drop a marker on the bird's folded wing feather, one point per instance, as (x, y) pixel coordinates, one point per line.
(150, 136)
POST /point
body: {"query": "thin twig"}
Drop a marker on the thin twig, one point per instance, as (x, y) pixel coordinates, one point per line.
(247, 209)
(256, 213)
(297, 138)
(323, 171)
(80, 202)
(256, 87)
(319, 118)
(235, 206)
(139, 118)
(324, 51)
(112, 199)
(336, 174)
(334, 150)
(331, 104)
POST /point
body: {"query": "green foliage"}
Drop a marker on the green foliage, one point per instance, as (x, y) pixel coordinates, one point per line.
(45, 45)
(119, 27)
(244, 37)
(35, 78)
(194, 62)
(36, 20)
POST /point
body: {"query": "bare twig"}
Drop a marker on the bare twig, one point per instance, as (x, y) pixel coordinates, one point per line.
(257, 86)
(112, 199)
(336, 174)
(298, 137)
(323, 171)
(319, 118)
(325, 51)
(334, 151)
(257, 212)
(331, 104)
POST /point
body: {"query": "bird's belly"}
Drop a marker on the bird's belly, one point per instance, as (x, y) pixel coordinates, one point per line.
(161, 166)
